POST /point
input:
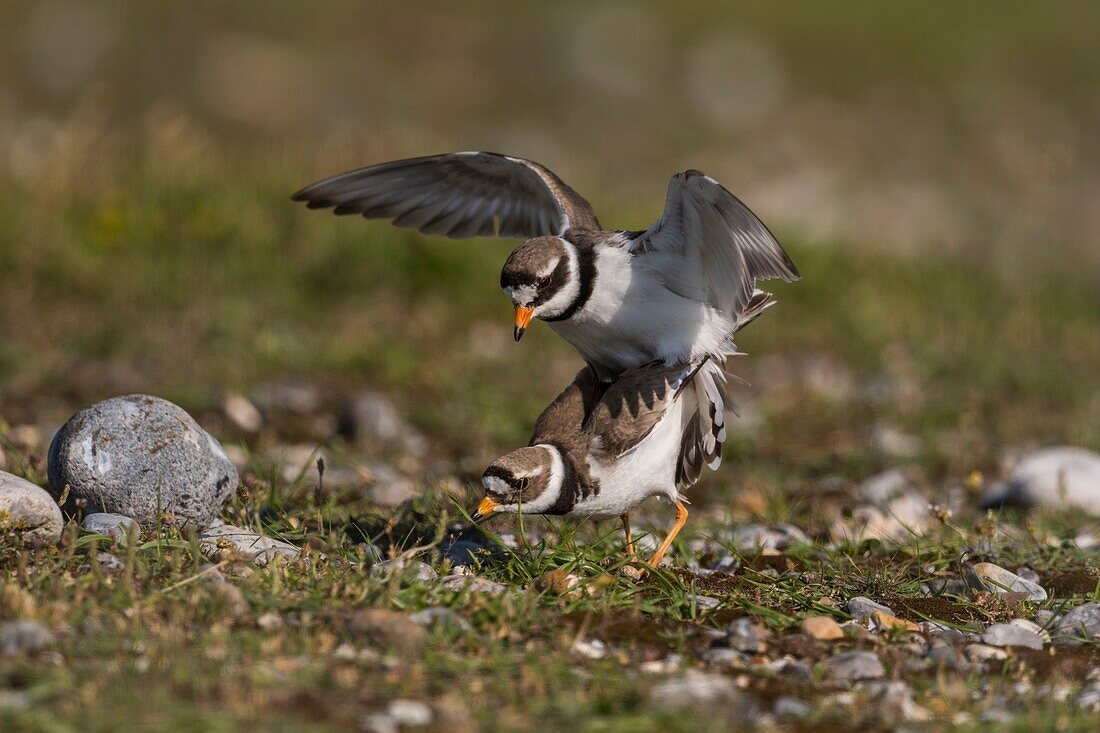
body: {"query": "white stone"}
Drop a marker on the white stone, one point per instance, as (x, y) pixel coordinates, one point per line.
(1054, 477)
(471, 583)
(1010, 635)
(986, 576)
(411, 713)
(115, 526)
(258, 548)
(29, 510)
(415, 568)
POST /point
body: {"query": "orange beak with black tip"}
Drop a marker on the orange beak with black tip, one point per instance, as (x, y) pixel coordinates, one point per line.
(523, 319)
(485, 508)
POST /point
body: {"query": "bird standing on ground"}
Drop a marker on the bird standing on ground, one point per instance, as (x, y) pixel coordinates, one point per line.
(599, 450)
(672, 293)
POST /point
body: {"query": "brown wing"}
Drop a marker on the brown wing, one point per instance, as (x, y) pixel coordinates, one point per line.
(634, 404)
(458, 195)
(562, 422)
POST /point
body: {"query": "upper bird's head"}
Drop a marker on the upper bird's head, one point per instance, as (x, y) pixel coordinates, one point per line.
(527, 480)
(541, 279)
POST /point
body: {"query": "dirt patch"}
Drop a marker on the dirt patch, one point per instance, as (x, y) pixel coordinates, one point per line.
(718, 585)
(642, 634)
(937, 609)
(1071, 583)
(780, 563)
(1069, 662)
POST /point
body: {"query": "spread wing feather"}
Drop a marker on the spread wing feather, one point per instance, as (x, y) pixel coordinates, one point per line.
(458, 195)
(709, 246)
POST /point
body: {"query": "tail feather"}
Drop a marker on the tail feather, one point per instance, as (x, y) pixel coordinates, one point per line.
(705, 427)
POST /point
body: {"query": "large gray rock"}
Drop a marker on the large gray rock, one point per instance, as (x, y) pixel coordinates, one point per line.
(29, 510)
(1053, 477)
(144, 458)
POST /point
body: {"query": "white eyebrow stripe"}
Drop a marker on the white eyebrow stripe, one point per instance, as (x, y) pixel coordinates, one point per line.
(548, 271)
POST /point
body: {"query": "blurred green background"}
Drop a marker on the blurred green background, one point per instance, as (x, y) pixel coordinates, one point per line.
(933, 169)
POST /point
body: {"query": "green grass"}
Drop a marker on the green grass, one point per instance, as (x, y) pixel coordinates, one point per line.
(194, 649)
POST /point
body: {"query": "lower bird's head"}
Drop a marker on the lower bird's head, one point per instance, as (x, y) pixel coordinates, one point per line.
(527, 481)
(541, 279)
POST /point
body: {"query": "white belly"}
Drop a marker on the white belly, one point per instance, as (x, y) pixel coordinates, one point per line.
(647, 470)
(632, 319)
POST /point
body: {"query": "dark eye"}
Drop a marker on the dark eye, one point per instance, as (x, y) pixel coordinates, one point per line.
(542, 282)
(522, 483)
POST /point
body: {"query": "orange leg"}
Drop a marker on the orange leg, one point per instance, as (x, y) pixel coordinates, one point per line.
(681, 520)
(626, 531)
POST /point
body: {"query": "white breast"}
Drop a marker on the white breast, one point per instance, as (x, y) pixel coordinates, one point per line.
(647, 470)
(632, 319)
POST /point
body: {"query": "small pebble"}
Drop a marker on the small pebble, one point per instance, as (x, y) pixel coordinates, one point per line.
(723, 656)
(753, 537)
(707, 603)
(1081, 622)
(1060, 477)
(1009, 635)
(411, 713)
(471, 583)
(727, 564)
(668, 665)
(694, 691)
(985, 576)
(1089, 698)
(786, 706)
(854, 666)
(794, 670)
(115, 526)
(407, 568)
(893, 702)
(945, 656)
(222, 539)
(270, 621)
(743, 636)
(387, 629)
(883, 620)
(984, 653)
(436, 617)
(590, 648)
(379, 723)
(23, 637)
(824, 628)
(861, 608)
(996, 715)
(110, 562)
